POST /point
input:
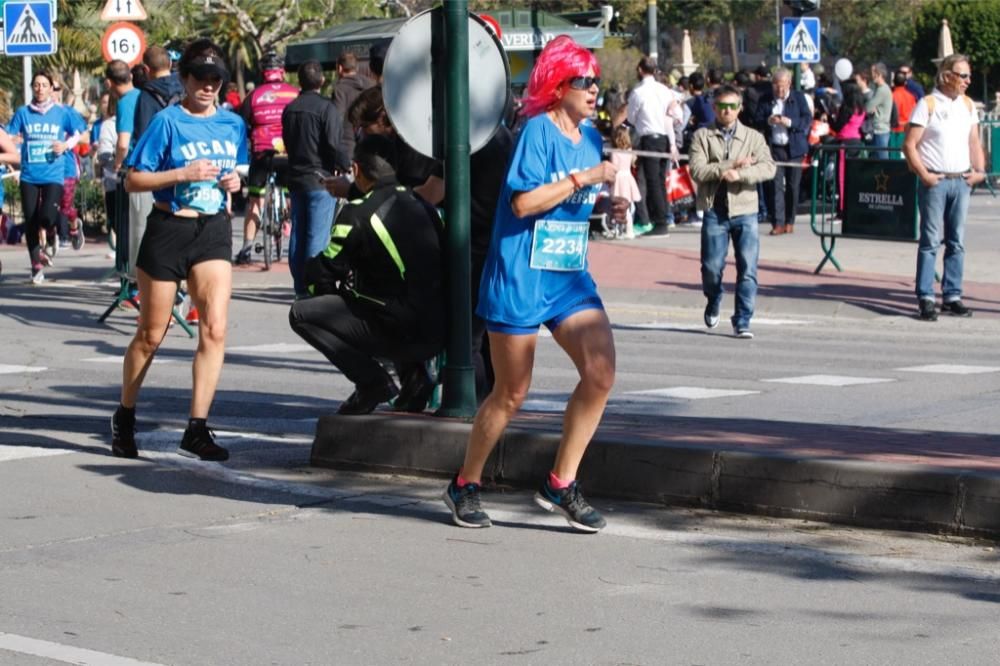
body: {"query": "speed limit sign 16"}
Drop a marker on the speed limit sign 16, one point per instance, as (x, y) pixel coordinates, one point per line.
(123, 41)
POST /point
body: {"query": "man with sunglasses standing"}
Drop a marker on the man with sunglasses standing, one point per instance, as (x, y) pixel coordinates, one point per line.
(727, 161)
(942, 147)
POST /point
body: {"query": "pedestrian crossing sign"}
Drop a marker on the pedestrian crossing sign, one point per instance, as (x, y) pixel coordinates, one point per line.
(800, 39)
(28, 29)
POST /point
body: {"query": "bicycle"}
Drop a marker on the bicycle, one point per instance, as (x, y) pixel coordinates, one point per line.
(273, 212)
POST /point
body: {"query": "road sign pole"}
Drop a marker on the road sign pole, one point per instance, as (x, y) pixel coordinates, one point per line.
(458, 398)
(27, 79)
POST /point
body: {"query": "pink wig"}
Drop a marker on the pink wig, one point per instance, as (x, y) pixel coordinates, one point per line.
(561, 59)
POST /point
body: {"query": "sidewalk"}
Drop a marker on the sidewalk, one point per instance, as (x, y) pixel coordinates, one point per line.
(880, 477)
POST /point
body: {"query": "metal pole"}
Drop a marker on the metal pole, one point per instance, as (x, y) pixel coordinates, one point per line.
(651, 24)
(458, 397)
(27, 79)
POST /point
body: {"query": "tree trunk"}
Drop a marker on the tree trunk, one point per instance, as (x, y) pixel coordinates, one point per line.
(733, 51)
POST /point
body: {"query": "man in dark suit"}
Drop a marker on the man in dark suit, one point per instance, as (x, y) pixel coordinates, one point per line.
(784, 118)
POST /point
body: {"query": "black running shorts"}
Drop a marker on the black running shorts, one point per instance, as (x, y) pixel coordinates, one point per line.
(172, 244)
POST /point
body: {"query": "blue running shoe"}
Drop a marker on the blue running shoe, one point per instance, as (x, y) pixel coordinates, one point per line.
(466, 510)
(572, 505)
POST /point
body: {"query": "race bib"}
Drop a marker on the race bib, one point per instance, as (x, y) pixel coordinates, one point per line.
(559, 246)
(40, 151)
(203, 196)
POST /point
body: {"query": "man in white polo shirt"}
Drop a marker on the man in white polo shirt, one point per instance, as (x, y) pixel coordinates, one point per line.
(942, 147)
(652, 110)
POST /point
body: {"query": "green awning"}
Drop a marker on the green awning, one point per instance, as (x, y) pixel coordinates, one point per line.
(523, 30)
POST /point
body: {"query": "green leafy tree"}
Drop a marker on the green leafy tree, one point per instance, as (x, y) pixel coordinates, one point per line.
(975, 32)
(867, 31)
(711, 16)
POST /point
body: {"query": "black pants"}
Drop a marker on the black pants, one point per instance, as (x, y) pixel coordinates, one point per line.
(783, 192)
(654, 170)
(41, 210)
(354, 344)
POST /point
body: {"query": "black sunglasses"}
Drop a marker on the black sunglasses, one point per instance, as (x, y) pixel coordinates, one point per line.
(56, 88)
(965, 76)
(583, 82)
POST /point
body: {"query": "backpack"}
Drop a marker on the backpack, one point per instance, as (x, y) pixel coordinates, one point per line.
(893, 117)
(932, 102)
(164, 102)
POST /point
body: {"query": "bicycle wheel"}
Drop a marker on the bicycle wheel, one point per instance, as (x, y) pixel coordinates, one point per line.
(267, 222)
(281, 216)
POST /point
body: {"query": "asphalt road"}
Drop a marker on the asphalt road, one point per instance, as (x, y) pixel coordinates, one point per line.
(265, 560)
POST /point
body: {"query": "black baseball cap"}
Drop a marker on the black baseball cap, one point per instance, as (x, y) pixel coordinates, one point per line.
(206, 67)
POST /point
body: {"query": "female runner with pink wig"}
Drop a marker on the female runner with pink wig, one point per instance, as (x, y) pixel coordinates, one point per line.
(536, 273)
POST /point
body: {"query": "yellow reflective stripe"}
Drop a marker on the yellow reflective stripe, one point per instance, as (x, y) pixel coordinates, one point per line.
(340, 230)
(332, 250)
(390, 247)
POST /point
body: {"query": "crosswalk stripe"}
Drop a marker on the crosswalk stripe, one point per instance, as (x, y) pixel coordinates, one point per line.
(18, 369)
(952, 369)
(274, 348)
(692, 393)
(10, 452)
(68, 654)
(829, 380)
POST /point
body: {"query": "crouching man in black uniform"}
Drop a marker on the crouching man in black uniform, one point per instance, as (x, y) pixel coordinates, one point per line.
(378, 288)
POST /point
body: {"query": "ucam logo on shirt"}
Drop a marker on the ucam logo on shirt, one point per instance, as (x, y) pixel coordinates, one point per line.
(222, 154)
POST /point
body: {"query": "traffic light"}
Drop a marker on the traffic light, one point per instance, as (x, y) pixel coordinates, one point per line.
(800, 7)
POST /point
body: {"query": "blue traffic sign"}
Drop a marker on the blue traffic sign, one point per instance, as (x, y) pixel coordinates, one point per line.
(800, 39)
(28, 28)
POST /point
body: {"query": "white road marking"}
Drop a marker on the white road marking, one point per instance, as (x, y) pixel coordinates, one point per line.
(952, 369)
(765, 321)
(558, 406)
(692, 393)
(664, 326)
(68, 654)
(10, 452)
(676, 326)
(18, 369)
(829, 380)
(118, 360)
(273, 348)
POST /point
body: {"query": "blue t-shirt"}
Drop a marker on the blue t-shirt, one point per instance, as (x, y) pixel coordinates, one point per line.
(175, 138)
(125, 114)
(39, 164)
(70, 162)
(511, 291)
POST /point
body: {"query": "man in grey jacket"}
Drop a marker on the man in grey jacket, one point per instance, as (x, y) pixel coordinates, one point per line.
(726, 162)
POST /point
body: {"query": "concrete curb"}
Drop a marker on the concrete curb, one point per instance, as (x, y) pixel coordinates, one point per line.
(911, 497)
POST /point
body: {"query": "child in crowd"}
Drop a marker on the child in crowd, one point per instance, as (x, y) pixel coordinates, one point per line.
(625, 185)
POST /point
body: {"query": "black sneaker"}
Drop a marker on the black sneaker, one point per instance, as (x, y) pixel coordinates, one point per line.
(416, 390)
(571, 504)
(123, 434)
(365, 400)
(742, 331)
(200, 443)
(464, 504)
(244, 256)
(956, 308)
(711, 315)
(927, 310)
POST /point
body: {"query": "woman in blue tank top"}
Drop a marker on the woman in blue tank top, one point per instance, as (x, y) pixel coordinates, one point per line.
(187, 157)
(536, 273)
